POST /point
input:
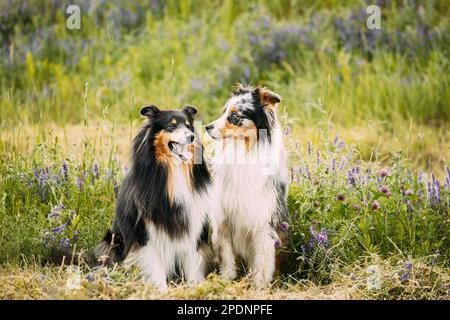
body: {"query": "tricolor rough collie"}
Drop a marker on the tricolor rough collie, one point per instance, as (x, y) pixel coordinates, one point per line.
(251, 218)
(160, 221)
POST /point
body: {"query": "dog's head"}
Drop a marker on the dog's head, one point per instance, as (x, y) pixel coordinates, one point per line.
(246, 113)
(171, 132)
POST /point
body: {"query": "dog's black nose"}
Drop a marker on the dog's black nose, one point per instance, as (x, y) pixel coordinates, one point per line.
(209, 127)
(191, 138)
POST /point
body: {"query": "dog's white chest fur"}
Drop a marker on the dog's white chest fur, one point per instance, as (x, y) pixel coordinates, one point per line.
(245, 187)
(158, 256)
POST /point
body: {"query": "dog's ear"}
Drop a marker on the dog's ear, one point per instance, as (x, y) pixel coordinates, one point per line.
(268, 98)
(150, 111)
(190, 110)
(238, 88)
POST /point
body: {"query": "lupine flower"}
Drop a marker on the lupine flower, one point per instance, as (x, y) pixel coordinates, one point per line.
(59, 229)
(56, 210)
(75, 236)
(408, 265)
(405, 276)
(375, 205)
(309, 147)
(287, 131)
(284, 226)
(303, 248)
(79, 183)
(116, 187)
(96, 171)
(420, 177)
(322, 238)
(64, 242)
(89, 277)
(65, 170)
(437, 191)
(384, 172)
(409, 206)
(318, 158)
(336, 140)
(351, 178)
(125, 170)
(48, 238)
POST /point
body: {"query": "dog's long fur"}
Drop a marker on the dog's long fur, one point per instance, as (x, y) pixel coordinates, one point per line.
(251, 189)
(160, 222)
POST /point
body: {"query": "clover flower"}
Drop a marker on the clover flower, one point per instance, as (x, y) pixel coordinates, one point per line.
(385, 189)
(375, 205)
(284, 226)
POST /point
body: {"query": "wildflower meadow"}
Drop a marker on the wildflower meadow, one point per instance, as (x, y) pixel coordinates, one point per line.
(365, 119)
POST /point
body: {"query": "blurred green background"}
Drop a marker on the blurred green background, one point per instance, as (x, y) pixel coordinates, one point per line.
(379, 88)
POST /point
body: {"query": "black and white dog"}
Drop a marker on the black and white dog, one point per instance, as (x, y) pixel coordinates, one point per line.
(251, 218)
(160, 220)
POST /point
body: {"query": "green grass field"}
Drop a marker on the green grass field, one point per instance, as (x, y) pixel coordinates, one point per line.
(365, 115)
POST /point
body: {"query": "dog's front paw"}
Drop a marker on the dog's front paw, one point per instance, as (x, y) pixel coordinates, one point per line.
(261, 282)
(229, 274)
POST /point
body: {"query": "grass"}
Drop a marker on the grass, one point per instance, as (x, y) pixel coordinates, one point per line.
(30, 281)
(355, 101)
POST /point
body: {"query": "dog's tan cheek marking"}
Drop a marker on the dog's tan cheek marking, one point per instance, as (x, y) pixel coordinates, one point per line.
(162, 151)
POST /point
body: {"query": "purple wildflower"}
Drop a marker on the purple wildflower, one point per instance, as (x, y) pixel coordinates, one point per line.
(309, 147)
(409, 206)
(79, 183)
(96, 171)
(64, 242)
(405, 276)
(116, 187)
(90, 277)
(356, 206)
(385, 189)
(59, 229)
(277, 243)
(409, 192)
(284, 226)
(125, 170)
(437, 191)
(287, 131)
(384, 172)
(318, 158)
(75, 236)
(336, 140)
(408, 266)
(65, 170)
(322, 238)
(48, 238)
(296, 215)
(375, 205)
(420, 177)
(340, 197)
(351, 178)
(54, 213)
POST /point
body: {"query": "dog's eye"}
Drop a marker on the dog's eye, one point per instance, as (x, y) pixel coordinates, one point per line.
(172, 126)
(235, 118)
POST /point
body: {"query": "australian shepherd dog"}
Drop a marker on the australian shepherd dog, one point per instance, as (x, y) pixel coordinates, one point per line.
(251, 218)
(160, 221)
